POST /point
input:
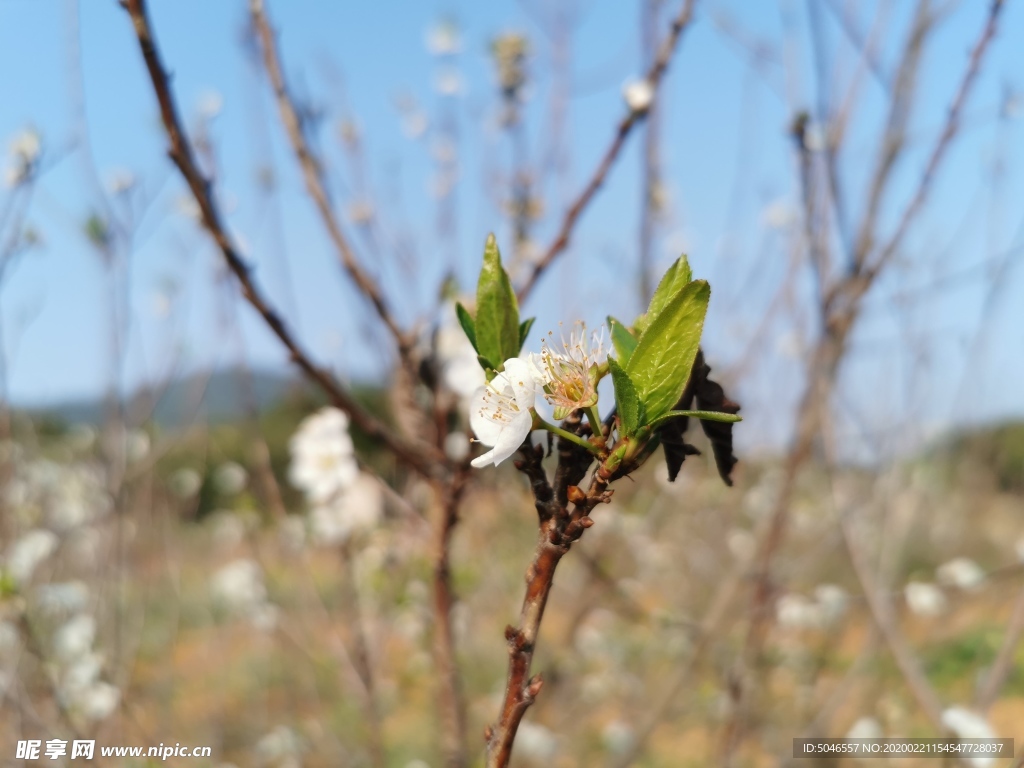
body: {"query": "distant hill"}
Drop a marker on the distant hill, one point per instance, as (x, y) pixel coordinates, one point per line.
(221, 396)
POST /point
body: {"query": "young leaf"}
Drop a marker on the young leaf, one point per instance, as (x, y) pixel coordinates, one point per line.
(672, 282)
(661, 363)
(626, 401)
(524, 331)
(622, 339)
(497, 313)
(467, 323)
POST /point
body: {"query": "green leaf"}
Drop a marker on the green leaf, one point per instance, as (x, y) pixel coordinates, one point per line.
(622, 339)
(672, 282)
(626, 400)
(524, 331)
(467, 323)
(728, 418)
(661, 363)
(497, 313)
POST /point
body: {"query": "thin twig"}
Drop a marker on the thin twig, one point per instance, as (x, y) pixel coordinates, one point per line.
(1004, 663)
(421, 457)
(313, 176)
(625, 127)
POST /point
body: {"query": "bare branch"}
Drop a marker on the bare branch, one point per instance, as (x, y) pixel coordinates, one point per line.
(422, 457)
(625, 127)
(313, 176)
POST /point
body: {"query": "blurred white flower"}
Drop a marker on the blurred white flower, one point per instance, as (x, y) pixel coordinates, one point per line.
(832, 600)
(210, 104)
(228, 529)
(968, 724)
(535, 742)
(741, 543)
(230, 478)
(443, 38)
(357, 510)
(779, 214)
(961, 573)
(618, 737)
(281, 747)
(239, 586)
(925, 599)
(136, 445)
(24, 149)
(414, 124)
(638, 94)
(186, 482)
(456, 446)
(120, 181)
(10, 640)
(865, 728)
(448, 81)
(460, 369)
(27, 552)
(75, 638)
(64, 597)
(82, 672)
(815, 137)
(798, 612)
(99, 701)
(323, 456)
(80, 437)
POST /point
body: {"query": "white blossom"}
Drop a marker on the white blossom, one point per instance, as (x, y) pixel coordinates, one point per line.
(832, 600)
(323, 456)
(798, 612)
(357, 509)
(961, 573)
(779, 214)
(865, 728)
(618, 737)
(443, 38)
(68, 596)
(239, 586)
(925, 599)
(569, 375)
(75, 638)
(186, 482)
(27, 552)
(99, 701)
(230, 478)
(535, 742)
(638, 94)
(968, 724)
(281, 747)
(500, 412)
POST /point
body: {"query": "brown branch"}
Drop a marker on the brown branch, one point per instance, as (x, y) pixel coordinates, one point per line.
(1004, 662)
(625, 127)
(450, 699)
(313, 177)
(420, 457)
(558, 529)
(884, 615)
(945, 139)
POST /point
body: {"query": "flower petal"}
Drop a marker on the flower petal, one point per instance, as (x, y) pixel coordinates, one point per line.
(512, 437)
(487, 430)
(520, 376)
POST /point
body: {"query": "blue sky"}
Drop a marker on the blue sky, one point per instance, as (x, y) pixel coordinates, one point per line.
(727, 160)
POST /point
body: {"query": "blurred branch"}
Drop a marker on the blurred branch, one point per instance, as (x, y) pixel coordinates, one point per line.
(885, 619)
(943, 143)
(421, 457)
(312, 174)
(625, 127)
(1005, 661)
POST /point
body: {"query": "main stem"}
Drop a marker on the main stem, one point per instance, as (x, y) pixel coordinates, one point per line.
(558, 530)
